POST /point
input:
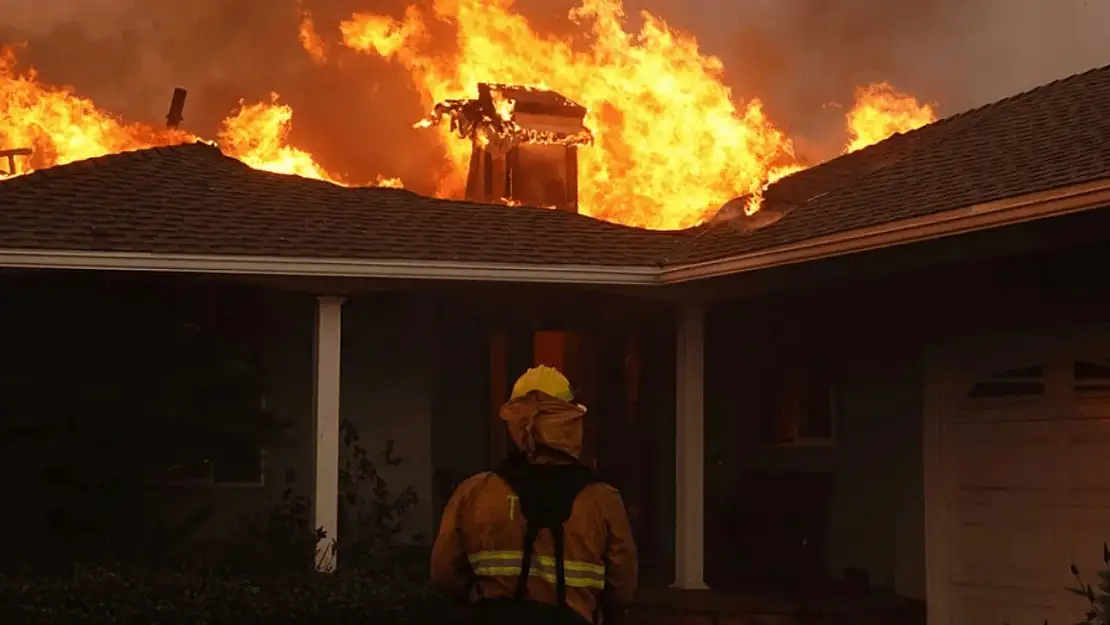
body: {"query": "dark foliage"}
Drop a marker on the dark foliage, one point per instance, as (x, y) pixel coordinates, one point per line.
(262, 573)
(103, 595)
(1097, 595)
(184, 386)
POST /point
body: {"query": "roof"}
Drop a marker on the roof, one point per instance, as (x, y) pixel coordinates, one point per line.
(533, 100)
(191, 199)
(1053, 136)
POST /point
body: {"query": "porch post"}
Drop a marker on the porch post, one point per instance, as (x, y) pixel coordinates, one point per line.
(325, 507)
(690, 450)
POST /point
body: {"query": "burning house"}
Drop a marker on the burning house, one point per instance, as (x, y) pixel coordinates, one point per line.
(524, 144)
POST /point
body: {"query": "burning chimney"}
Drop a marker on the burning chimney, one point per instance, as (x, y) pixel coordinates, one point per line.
(524, 144)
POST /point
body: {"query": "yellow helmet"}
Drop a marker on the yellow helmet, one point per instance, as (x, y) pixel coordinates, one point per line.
(544, 379)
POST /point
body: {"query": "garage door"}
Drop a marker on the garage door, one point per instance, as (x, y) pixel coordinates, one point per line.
(1018, 468)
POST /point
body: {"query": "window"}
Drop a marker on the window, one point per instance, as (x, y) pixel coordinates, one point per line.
(1019, 382)
(798, 407)
(216, 424)
(245, 466)
(223, 460)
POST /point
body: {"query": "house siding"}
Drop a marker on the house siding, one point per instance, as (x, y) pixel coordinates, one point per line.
(875, 330)
(875, 513)
(387, 389)
(385, 395)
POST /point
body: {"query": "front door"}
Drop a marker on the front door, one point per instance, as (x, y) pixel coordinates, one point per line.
(512, 353)
(604, 372)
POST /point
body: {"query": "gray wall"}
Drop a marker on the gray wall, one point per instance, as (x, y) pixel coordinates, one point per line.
(385, 393)
(876, 513)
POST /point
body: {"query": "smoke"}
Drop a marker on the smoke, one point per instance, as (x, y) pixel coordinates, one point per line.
(355, 112)
(803, 58)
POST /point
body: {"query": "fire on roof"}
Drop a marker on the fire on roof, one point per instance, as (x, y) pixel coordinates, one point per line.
(505, 116)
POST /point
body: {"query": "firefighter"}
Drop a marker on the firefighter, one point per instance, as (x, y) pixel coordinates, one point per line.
(541, 540)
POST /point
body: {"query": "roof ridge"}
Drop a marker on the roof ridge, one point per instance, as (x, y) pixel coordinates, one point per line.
(977, 115)
(101, 160)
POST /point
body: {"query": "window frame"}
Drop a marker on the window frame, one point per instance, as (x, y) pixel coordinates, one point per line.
(773, 402)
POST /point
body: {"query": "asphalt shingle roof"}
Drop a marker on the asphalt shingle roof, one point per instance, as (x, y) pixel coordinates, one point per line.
(1053, 136)
(191, 199)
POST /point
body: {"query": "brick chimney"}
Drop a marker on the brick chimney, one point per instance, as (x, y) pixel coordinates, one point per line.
(539, 166)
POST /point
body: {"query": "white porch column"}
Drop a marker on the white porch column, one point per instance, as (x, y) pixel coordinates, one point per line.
(325, 505)
(690, 451)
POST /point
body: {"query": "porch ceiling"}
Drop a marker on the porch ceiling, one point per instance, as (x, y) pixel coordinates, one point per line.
(190, 208)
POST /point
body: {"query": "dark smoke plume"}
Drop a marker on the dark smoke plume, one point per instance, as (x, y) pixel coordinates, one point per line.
(798, 56)
(355, 113)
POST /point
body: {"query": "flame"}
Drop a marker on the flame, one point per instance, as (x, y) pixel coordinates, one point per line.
(391, 183)
(311, 41)
(755, 201)
(667, 143)
(61, 127)
(881, 111)
(670, 142)
(257, 135)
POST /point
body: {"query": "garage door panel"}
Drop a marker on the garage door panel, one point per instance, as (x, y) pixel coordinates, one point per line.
(995, 410)
(983, 553)
(1093, 406)
(1022, 475)
(1088, 451)
(996, 606)
(1017, 457)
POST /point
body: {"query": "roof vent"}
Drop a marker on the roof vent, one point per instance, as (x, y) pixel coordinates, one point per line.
(734, 215)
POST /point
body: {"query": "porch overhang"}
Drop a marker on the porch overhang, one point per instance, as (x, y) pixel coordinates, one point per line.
(1009, 211)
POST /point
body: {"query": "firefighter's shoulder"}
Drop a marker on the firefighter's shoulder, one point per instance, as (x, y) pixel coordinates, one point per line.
(473, 483)
(604, 491)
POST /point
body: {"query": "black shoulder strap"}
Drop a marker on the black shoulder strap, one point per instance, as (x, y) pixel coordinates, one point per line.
(546, 494)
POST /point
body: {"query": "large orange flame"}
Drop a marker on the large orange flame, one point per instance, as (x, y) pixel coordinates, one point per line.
(61, 127)
(671, 144)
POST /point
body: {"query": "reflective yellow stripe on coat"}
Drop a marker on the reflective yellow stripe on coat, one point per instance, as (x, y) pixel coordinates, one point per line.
(507, 564)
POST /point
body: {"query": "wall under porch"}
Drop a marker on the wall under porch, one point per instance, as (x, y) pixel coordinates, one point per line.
(386, 385)
(870, 316)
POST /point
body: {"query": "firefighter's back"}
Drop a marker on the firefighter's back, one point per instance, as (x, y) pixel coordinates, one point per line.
(492, 528)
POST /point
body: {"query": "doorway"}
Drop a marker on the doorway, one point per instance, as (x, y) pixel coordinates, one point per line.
(604, 371)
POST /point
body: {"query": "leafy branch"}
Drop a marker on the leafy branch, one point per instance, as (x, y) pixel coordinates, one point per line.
(1097, 595)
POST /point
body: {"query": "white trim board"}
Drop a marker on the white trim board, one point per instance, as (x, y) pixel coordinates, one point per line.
(1009, 211)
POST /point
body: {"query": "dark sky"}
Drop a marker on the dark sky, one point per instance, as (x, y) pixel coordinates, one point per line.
(798, 56)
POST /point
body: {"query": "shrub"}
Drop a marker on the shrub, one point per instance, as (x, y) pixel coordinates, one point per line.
(1097, 595)
(261, 573)
(109, 595)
